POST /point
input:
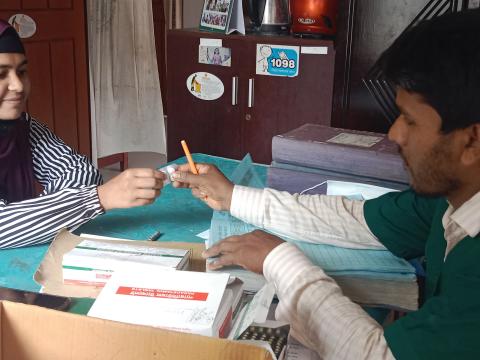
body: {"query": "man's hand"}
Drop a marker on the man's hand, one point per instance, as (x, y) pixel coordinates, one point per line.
(133, 187)
(248, 250)
(210, 185)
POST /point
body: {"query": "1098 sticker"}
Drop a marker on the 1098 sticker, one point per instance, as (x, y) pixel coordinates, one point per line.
(275, 60)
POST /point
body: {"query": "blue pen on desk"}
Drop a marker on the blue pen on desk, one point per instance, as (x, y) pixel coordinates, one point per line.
(155, 236)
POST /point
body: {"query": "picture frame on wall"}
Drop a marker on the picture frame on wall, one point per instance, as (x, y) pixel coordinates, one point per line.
(224, 16)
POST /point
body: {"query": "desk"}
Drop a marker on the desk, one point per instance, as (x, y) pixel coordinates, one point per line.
(176, 213)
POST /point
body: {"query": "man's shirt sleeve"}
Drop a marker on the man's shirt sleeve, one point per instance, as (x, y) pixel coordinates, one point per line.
(333, 220)
(320, 316)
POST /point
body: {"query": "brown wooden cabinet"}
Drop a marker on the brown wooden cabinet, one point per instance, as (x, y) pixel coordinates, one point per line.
(278, 104)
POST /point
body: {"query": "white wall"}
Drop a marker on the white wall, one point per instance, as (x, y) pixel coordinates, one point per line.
(192, 10)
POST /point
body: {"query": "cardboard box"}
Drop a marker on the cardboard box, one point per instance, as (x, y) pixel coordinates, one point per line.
(33, 333)
(49, 275)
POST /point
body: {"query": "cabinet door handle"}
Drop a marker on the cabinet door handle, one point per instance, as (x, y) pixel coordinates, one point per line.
(251, 92)
(234, 90)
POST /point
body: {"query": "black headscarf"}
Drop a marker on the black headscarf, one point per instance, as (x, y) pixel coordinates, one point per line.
(17, 181)
(9, 40)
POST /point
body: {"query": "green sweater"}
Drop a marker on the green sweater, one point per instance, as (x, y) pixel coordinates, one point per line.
(448, 325)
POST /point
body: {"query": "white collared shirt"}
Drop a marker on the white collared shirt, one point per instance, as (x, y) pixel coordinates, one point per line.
(461, 222)
(321, 317)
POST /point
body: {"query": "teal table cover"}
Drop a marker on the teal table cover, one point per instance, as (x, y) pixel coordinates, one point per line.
(176, 214)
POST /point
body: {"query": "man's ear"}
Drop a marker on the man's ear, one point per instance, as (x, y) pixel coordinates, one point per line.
(471, 152)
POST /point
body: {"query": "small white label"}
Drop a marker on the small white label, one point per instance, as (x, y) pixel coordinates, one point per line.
(24, 24)
(355, 139)
(315, 50)
(210, 42)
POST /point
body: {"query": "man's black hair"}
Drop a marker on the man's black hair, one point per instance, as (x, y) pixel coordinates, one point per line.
(440, 60)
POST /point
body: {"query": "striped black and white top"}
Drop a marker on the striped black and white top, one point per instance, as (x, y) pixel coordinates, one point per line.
(69, 198)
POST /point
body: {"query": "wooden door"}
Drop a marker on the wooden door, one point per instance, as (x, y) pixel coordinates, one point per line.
(365, 29)
(208, 126)
(281, 104)
(58, 66)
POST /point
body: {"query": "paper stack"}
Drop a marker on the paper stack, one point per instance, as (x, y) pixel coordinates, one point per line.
(370, 277)
(186, 301)
(93, 262)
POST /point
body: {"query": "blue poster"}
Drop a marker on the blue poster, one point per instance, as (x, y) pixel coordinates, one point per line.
(277, 60)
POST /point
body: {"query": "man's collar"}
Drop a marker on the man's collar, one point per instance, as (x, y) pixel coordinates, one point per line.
(467, 216)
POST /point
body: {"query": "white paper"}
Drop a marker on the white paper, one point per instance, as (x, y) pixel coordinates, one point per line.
(237, 22)
(255, 311)
(352, 189)
(100, 237)
(211, 42)
(355, 139)
(204, 234)
(296, 351)
(146, 295)
(315, 50)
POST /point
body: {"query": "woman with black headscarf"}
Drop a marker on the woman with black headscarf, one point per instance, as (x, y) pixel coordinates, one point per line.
(29, 152)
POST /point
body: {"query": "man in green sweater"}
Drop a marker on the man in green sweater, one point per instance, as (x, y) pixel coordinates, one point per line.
(435, 67)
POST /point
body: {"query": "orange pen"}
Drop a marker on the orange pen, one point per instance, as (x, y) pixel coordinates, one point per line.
(193, 168)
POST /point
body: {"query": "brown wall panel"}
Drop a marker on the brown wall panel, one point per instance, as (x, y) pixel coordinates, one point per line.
(64, 90)
(34, 4)
(10, 4)
(60, 4)
(40, 102)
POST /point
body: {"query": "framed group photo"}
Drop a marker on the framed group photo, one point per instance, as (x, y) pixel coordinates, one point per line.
(224, 16)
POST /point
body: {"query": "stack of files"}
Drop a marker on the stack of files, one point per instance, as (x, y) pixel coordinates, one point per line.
(304, 180)
(93, 262)
(193, 302)
(368, 277)
(311, 154)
